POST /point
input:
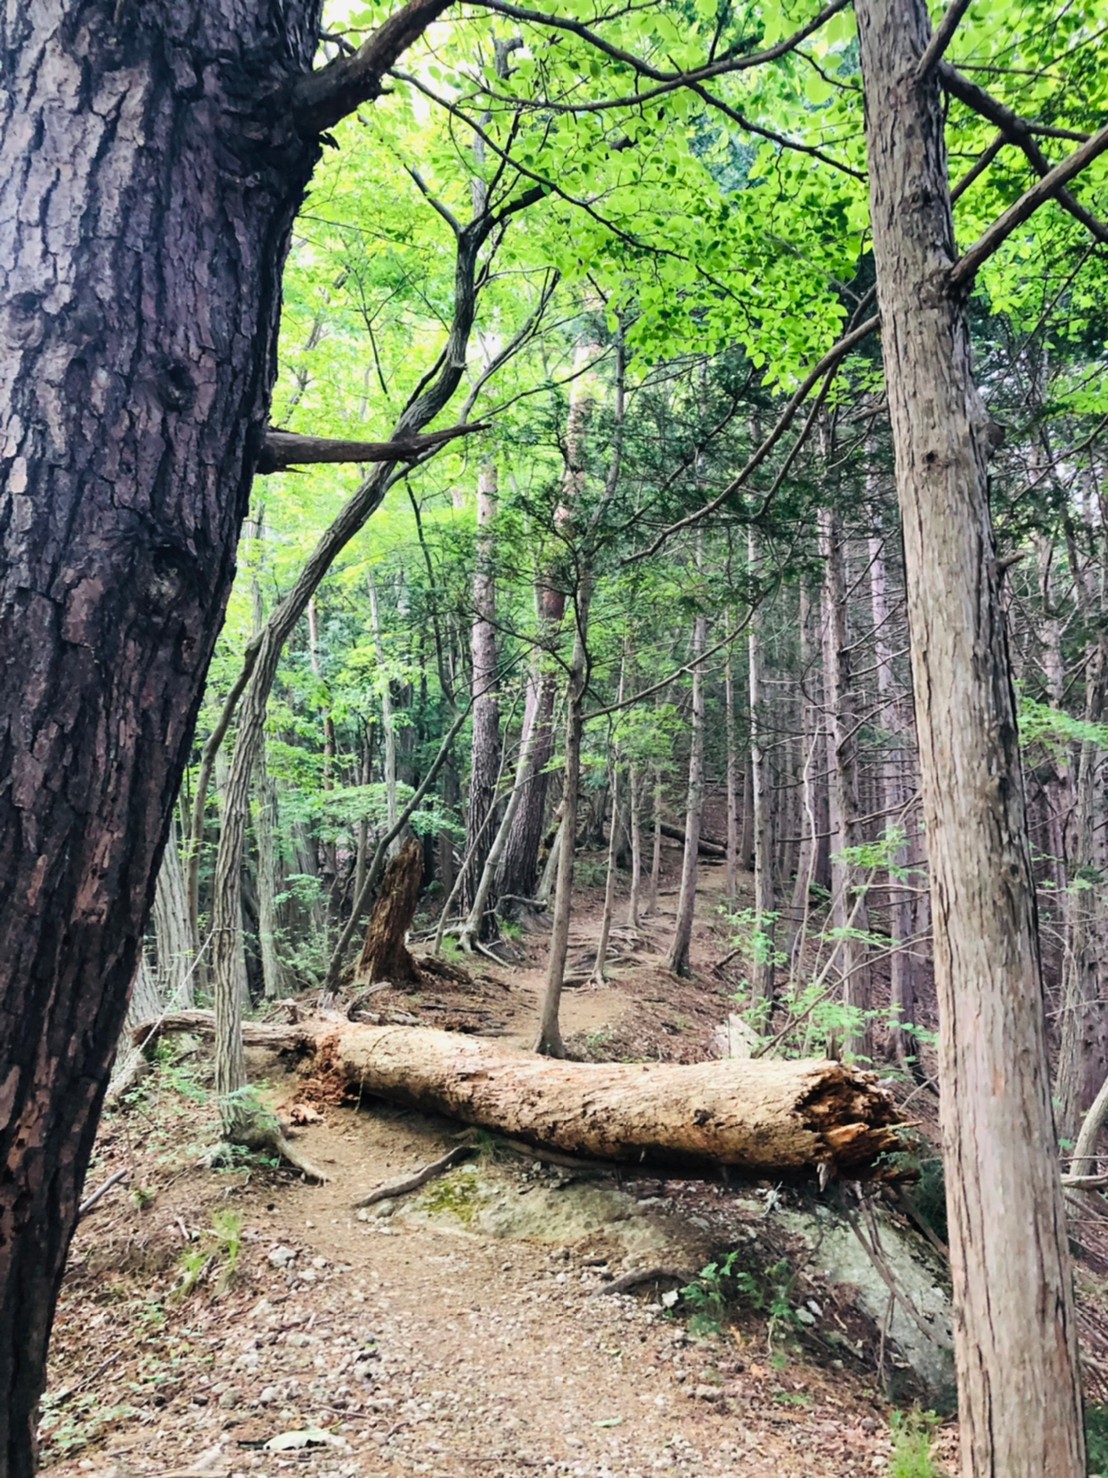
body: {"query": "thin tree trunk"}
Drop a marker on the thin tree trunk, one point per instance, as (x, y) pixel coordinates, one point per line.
(892, 801)
(485, 762)
(519, 866)
(177, 947)
(848, 912)
(762, 965)
(388, 722)
(599, 968)
(549, 1041)
(812, 786)
(1016, 1346)
(274, 975)
(678, 958)
(731, 779)
(634, 793)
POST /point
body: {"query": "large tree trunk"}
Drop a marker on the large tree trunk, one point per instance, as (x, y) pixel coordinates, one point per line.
(149, 189)
(1020, 1399)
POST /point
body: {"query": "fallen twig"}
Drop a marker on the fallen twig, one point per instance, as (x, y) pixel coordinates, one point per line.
(394, 1188)
(640, 1276)
(96, 1196)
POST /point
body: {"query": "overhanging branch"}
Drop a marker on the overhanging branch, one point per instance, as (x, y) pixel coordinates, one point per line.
(325, 96)
(966, 268)
(1020, 132)
(284, 449)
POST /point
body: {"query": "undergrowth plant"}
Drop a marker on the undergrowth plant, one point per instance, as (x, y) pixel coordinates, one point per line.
(913, 1433)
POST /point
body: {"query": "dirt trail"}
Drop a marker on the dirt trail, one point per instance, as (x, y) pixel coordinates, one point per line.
(368, 1345)
(416, 1349)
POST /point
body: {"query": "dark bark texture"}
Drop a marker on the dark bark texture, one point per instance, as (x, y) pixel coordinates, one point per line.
(150, 182)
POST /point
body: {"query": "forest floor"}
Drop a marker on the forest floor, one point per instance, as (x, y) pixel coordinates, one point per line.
(245, 1322)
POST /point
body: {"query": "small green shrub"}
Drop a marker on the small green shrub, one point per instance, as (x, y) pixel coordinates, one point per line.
(215, 1255)
(913, 1432)
(1096, 1440)
(722, 1286)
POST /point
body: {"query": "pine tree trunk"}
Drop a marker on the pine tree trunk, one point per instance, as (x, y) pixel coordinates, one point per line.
(731, 781)
(140, 279)
(1016, 1347)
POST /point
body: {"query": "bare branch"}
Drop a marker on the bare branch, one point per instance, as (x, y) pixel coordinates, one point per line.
(644, 69)
(941, 39)
(830, 361)
(1018, 131)
(966, 268)
(284, 449)
(325, 96)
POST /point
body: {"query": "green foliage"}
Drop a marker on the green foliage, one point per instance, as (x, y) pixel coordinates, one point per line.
(723, 1287)
(913, 1434)
(1096, 1440)
(214, 1258)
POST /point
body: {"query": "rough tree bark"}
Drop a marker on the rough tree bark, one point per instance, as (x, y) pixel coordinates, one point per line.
(1016, 1348)
(154, 161)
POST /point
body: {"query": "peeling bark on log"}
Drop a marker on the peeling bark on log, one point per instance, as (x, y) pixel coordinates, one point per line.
(385, 955)
(755, 1116)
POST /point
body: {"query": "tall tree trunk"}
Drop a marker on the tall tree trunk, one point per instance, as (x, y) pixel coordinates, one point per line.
(893, 798)
(519, 866)
(177, 947)
(274, 975)
(1083, 1049)
(762, 965)
(549, 1039)
(848, 910)
(731, 779)
(678, 958)
(1016, 1345)
(485, 763)
(388, 719)
(140, 276)
(634, 794)
(813, 784)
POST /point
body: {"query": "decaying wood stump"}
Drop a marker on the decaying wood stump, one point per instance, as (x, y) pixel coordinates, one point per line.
(384, 955)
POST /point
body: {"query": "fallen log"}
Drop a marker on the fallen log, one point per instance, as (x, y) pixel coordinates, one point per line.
(758, 1117)
(761, 1116)
(705, 845)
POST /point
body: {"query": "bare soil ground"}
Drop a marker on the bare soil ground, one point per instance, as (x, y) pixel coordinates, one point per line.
(244, 1322)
